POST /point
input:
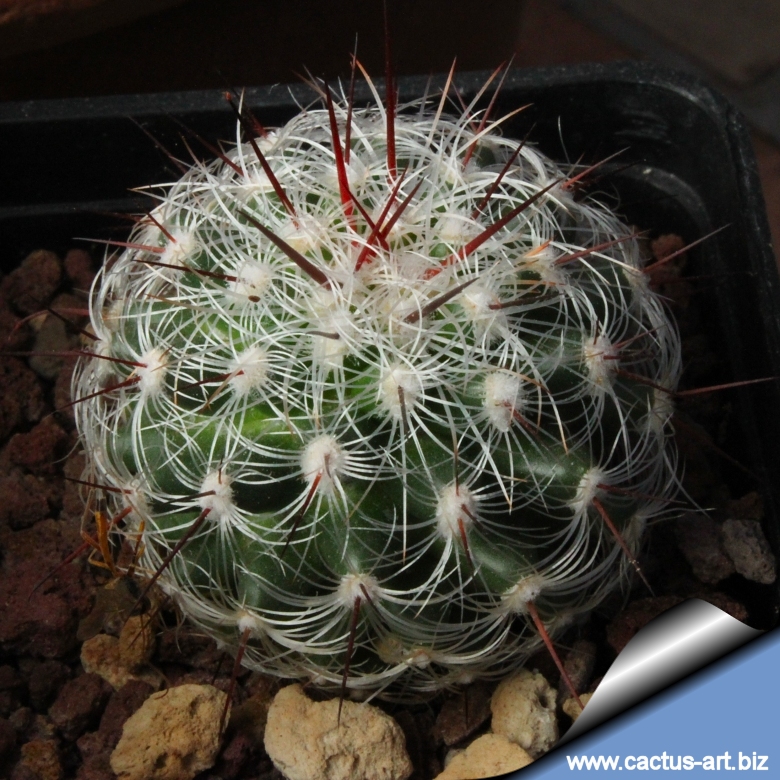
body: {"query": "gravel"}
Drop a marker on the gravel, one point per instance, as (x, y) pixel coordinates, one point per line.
(58, 721)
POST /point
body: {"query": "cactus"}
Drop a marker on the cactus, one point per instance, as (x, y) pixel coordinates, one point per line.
(386, 403)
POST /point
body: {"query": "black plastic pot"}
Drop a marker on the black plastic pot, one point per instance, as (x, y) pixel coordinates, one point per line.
(690, 170)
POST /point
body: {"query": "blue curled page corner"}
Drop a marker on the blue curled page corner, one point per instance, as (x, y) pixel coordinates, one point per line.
(673, 646)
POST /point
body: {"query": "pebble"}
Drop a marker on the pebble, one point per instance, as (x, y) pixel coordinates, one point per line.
(306, 741)
(119, 660)
(51, 338)
(487, 756)
(174, 735)
(698, 537)
(747, 546)
(113, 604)
(523, 708)
(572, 708)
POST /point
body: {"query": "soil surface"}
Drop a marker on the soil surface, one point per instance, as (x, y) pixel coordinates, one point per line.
(57, 590)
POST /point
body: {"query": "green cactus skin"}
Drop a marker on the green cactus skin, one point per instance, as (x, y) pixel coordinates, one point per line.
(384, 409)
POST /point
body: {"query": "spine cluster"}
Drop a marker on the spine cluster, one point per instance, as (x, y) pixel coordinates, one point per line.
(386, 402)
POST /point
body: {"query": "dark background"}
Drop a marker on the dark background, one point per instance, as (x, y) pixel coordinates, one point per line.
(64, 48)
(77, 48)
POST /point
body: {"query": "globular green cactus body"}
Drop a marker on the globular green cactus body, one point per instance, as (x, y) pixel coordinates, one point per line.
(374, 410)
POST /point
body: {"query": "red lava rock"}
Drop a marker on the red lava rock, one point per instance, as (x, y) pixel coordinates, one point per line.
(22, 501)
(79, 269)
(234, 757)
(29, 287)
(12, 690)
(21, 396)
(665, 245)
(720, 600)
(635, 616)
(262, 686)
(40, 619)
(122, 704)
(42, 624)
(96, 758)
(98, 769)
(32, 544)
(668, 279)
(7, 740)
(462, 714)
(750, 550)
(73, 312)
(184, 642)
(748, 507)
(250, 716)
(44, 680)
(62, 394)
(72, 497)
(92, 747)
(89, 772)
(23, 772)
(39, 450)
(14, 335)
(418, 729)
(49, 542)
(79, 704)
(542, 661)
(265, 770)
(40, 761)
(22, 721)
(43, 728)
(96, 747)
(579, 664)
